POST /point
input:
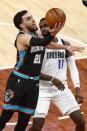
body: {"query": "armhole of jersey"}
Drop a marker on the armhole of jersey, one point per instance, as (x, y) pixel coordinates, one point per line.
(63, 42)
(16, 39)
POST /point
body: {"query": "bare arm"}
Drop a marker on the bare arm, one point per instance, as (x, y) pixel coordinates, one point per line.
(70, 49)
(45, 77)
(26, 40)
(54, 81)
(23, 41)
(67, 47)
(55, 46)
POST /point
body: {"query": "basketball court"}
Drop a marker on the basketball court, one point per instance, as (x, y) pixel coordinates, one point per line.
(75, 31)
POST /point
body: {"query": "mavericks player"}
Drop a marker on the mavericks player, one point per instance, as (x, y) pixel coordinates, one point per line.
(54, 67)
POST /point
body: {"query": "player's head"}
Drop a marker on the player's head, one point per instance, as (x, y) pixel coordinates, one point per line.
(43, 27)
(24, 20)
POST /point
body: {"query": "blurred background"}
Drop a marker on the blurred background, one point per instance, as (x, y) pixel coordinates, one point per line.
(74, 31)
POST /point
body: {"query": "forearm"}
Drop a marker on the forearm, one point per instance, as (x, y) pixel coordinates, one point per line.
(55, 46)
(54, 81)
(41, 41)
(45, 77)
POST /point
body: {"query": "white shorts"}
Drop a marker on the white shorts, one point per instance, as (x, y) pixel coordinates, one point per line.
(64, 100)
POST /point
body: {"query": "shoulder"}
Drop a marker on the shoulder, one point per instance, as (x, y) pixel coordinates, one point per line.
(23, 41)
(68, 54)
(65, 42)
(23, 37)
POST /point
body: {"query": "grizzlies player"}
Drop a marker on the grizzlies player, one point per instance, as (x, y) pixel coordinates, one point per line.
(22, 87)
(54, 68)
(23, 84)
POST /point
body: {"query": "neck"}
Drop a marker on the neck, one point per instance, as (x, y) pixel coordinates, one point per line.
(27, 31)
(55, 39)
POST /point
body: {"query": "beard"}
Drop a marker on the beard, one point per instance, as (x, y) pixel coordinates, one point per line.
(32, 29)
(45, 33)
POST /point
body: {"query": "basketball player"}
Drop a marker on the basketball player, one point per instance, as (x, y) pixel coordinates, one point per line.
(23, 84)
(54, 68)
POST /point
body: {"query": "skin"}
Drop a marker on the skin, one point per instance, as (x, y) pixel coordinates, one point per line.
(76, 116)
(28, 25)
(44, 28)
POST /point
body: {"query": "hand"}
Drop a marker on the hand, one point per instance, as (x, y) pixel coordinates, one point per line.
(71, 49)
(78, 96)
(58, 84)
(56, 29)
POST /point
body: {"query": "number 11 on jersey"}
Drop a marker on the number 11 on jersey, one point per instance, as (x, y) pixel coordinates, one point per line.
(60, 63)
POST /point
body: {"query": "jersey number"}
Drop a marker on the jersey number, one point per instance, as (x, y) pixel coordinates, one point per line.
(60, 64)
(37, 59)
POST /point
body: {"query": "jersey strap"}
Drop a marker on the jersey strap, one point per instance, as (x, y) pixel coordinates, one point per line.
(63, 42)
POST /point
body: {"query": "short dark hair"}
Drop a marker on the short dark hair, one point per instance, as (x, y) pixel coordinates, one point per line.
(41, 20)
(18, 18)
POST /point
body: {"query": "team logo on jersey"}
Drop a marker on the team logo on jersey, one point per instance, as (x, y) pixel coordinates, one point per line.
(55, 54)
(9, 95)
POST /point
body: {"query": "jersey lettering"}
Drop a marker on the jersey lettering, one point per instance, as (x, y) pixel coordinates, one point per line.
(37, 59)
(55, 54)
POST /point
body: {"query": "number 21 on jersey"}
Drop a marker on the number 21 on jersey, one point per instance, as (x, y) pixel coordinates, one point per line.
(37, 59)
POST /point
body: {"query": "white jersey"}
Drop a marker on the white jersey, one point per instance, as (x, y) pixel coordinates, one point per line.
(54, 63)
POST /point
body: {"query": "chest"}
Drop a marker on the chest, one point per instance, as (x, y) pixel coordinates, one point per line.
(54, 54)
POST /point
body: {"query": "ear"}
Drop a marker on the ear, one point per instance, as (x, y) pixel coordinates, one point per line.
(22, 26)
